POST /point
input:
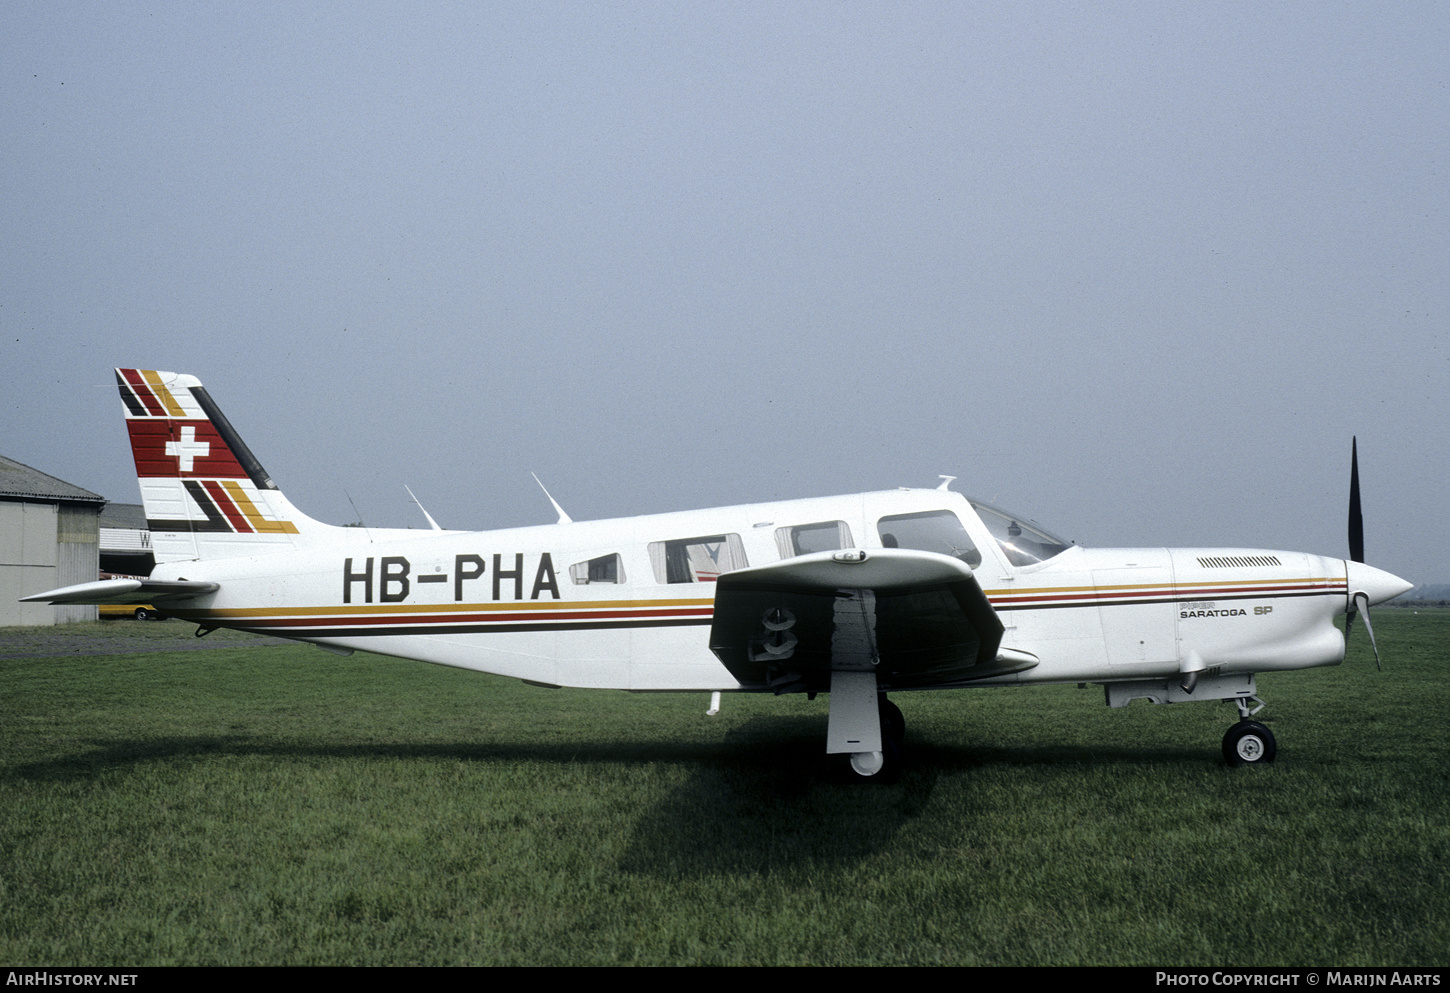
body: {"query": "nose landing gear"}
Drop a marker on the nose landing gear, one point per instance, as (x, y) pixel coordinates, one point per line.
(1249, 742)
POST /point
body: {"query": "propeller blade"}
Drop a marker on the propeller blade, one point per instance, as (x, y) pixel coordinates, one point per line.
(1367, 626)
(1356, 518)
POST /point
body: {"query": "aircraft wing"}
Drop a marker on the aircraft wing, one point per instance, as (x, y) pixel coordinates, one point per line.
(117, 591)
(914, 618)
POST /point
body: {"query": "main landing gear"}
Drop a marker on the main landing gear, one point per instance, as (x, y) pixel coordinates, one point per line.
(1249, 742)
(883, 766)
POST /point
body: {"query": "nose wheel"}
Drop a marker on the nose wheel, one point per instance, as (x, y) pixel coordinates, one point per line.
(1249, 743)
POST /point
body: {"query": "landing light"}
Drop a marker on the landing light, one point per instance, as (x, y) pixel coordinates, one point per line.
(853, 556)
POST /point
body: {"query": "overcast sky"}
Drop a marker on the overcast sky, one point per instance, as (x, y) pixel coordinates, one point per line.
(1139, 271)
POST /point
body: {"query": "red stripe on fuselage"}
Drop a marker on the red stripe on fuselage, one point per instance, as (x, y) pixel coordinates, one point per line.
(1088, 598)
(492, 617)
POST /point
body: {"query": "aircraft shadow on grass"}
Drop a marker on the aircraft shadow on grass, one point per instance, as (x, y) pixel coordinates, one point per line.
(761, 802)
(778, 751)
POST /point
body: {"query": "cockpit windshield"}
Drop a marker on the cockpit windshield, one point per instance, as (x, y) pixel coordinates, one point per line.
(1023, 544)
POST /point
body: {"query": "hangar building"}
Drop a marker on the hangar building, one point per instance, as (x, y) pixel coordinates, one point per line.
(126, 540)
(49, 537)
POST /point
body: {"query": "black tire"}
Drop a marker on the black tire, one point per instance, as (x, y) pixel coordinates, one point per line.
(1249, 743)
(142, 614)
(893, 724)
(891, 748)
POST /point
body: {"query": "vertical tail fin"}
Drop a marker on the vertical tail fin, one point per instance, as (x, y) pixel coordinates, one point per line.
(205, 493)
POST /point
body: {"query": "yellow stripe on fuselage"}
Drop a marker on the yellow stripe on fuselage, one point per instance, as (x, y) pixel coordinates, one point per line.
(1043, 590)
(453, 608)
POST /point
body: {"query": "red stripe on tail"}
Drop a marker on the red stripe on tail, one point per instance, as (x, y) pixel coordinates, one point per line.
(198, 452)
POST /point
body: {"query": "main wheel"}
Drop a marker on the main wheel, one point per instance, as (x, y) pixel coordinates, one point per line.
(893, 725)
(1249, 743)
(877, 767)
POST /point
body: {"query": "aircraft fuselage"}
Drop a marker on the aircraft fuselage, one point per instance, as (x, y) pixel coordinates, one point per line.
(522, 603)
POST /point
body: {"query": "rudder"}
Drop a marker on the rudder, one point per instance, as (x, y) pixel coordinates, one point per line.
(205, 494)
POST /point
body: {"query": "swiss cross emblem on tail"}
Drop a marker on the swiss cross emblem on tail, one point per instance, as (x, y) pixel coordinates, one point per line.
(188, 449)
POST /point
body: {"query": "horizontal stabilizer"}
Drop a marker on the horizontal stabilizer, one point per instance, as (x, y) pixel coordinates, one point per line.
(119, 591)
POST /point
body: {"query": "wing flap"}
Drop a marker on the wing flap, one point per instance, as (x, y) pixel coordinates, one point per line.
(914, 618)
(123, 591)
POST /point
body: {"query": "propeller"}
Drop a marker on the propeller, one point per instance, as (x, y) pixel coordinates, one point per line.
(1356, 550)
(1356, 516)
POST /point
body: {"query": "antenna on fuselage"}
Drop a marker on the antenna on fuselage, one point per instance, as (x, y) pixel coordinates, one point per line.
(431, 522)
(563, 517)
(359, 523)
(946, 482)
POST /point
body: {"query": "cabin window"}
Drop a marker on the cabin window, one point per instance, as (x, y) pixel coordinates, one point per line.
(1022, 543)
(696, 560)
(803, 539)
(605, 569)
(938, 531)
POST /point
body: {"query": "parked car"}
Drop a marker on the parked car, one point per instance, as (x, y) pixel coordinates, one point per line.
(140, 611)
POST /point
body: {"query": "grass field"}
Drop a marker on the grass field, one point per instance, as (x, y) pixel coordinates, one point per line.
(257, 804)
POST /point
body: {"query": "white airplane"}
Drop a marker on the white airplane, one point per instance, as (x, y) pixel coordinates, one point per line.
(855, 596)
